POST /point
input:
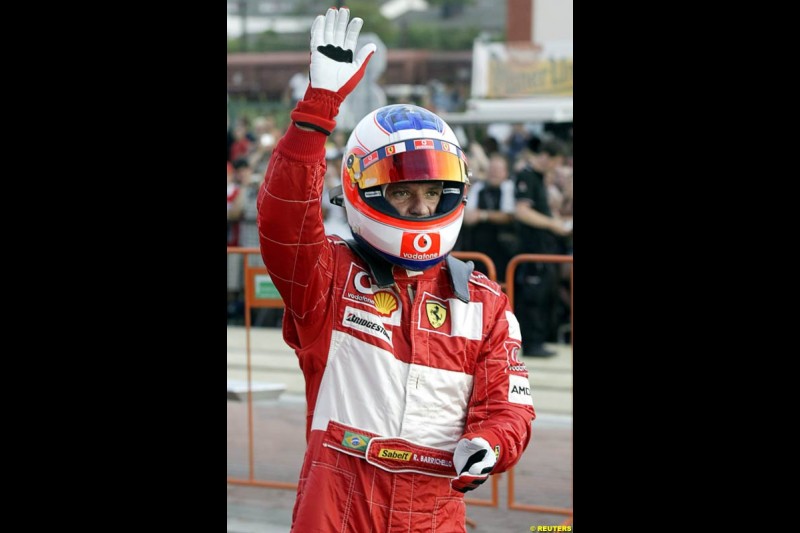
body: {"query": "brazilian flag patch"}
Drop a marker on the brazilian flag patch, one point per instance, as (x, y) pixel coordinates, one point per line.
(355, 441)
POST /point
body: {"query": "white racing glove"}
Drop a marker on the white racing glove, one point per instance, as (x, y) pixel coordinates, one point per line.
(473, 459)
(333, 72)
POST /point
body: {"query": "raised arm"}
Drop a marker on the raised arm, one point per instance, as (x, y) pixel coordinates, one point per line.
(291, 231)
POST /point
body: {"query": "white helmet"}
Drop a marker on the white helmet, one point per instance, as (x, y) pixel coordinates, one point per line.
(398, 143)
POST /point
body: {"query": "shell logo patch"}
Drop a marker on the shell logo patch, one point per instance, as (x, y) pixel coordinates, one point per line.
(385, 302)
(359, 288)
(437, 313)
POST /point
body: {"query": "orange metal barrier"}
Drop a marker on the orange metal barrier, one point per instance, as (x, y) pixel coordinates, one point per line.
(510, 271)
(479, 256)
(251, 300)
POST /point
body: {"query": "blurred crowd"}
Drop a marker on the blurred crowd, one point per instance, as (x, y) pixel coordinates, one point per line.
(520, 202)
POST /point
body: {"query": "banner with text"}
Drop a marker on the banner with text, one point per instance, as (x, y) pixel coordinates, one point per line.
(513, 70)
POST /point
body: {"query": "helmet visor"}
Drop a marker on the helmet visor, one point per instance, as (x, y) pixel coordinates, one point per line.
(390, 165)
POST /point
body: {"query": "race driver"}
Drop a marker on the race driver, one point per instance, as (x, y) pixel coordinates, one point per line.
(414, 390)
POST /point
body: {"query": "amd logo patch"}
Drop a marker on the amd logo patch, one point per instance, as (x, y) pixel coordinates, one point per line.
(519, 390)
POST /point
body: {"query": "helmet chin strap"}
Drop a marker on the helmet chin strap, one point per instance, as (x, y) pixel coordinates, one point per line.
(380, 268)
(336, 195)
(459, 276)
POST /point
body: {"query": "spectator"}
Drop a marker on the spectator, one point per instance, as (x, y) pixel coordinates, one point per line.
(230, 137)
(560, 191)
(297, 87)
(536, 284)
(517, 141)
(241, 141)
(247, 209)
(266, 135)
(478, 161)
(490, 215)
(234, 271)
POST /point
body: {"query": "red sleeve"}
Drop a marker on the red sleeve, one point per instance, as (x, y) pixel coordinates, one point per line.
(291, 232)
(500, 409)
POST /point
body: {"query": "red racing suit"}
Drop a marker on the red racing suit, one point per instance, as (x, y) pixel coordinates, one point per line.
(395, 376)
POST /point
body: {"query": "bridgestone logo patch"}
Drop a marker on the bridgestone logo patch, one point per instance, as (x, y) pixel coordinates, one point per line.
(366, 323)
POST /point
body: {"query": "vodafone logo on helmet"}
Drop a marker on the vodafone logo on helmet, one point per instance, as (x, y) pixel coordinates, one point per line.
(420, 246)
(422, 243)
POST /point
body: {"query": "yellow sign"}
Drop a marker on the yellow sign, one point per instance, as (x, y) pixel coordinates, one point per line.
(541, 77)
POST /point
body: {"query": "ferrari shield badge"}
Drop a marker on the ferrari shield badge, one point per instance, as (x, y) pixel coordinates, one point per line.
(437, 313)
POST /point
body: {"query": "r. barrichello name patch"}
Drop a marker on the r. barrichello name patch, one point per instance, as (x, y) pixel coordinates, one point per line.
(519, 390)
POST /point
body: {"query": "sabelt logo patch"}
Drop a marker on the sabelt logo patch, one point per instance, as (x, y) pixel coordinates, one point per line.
(519, 390)
(395, 455)
(420, 246)
(399, 455)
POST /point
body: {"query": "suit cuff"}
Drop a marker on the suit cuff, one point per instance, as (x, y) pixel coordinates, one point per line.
(317, 110)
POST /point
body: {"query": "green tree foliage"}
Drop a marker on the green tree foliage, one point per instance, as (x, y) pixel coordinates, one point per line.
(432, 36)
(269, 41)
(451, 8)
